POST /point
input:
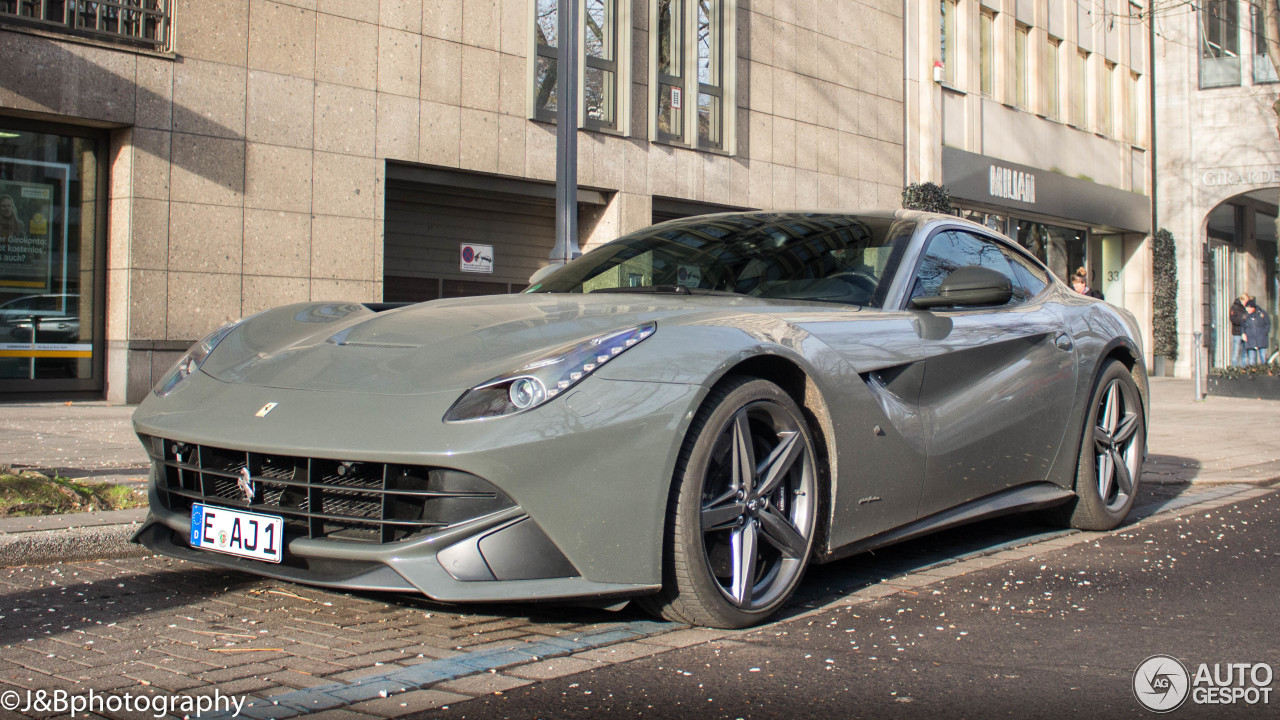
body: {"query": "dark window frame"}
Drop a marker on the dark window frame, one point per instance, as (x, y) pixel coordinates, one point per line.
(146, 24)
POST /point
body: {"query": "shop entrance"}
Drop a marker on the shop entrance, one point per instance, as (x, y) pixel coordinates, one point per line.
(1240, 257)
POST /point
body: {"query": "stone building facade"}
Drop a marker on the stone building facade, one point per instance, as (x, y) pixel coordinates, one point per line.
(1036, 115)
(217, 158)
(1219, 171)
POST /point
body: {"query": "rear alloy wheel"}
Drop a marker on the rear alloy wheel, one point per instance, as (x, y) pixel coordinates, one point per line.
(1112, 452)
(742, 516)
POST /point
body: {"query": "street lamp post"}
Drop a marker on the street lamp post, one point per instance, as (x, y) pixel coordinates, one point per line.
(566, 247)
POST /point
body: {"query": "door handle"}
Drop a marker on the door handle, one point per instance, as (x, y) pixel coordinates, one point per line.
(1063, 341)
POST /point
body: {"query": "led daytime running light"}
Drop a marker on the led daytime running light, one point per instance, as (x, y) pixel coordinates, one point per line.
(544, 378)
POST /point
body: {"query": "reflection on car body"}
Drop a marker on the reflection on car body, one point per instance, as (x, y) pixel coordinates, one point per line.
(687, 416)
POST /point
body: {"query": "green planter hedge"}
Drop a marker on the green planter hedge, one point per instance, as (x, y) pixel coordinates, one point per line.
(1256, 381)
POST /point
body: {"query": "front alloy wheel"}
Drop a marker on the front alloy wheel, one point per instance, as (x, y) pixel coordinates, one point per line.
(743, 517)
(1112, 451)
(1116, 446)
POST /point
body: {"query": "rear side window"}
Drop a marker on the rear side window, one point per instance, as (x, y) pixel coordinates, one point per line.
(951, 250)
(1032, 278)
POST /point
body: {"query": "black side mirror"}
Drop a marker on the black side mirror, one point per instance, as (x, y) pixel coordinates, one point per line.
(970, 286)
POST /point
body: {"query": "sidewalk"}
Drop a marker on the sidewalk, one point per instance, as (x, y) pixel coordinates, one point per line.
(1218, 440)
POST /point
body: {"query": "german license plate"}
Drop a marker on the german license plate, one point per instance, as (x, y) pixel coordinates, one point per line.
(236, 533)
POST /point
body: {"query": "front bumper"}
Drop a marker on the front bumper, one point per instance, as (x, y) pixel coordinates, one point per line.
(587, 477)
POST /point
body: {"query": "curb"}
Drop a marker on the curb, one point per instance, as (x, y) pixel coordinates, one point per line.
(102, 542)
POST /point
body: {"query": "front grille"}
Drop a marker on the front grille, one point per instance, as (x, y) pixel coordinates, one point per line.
(319, 497)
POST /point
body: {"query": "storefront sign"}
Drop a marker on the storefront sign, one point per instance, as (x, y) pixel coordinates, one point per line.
(476, 258)
(1006, 187)
(1221, 178)
(46, 350)
(1003, 182)
(26, 235)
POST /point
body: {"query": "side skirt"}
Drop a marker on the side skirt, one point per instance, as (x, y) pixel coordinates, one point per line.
(1015, 500)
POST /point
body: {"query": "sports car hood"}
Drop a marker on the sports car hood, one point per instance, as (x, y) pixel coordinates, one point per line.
(436, 346)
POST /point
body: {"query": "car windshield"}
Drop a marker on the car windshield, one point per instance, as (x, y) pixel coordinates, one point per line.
(793, 256)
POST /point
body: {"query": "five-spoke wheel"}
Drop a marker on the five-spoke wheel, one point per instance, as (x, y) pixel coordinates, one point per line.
(1111, 452)
(743, 515)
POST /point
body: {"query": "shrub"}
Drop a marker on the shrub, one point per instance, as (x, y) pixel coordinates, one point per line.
(929, 197)
(1164, 272)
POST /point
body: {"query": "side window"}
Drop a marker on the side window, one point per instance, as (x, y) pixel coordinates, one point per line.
(951, 250)
(606, 37)
(1032, 278)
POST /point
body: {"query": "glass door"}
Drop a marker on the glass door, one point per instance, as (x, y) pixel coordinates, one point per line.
(51, 227)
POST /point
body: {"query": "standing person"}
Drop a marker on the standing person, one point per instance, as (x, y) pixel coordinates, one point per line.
(1080, 283)
(1256, 335)
(1236, 315)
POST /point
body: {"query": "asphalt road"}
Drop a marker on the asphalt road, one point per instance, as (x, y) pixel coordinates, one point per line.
(1056, 634)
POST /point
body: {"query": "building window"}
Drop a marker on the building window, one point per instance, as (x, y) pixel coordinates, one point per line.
(1219, 43)
(600, 55)
(1022, 69)
(1133, 100)
(1106, 91)
(143, 23)
(948, 42)
(1263, 70)
(710, 73)
(1062, 249)
(546, 31)
(1080, 91)
(600, 64)
(670, 71)
(987, 53)
(1052, 103)
(693, 51)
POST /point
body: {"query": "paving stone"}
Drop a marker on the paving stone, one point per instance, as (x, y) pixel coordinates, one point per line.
(362, 673)
(622, 652)
(164, 679)
(290, 678)
(428, 652)
(548, 669)
(878, 590)
(246, 686)
(686, 638)
(340, 714)
(409, 702)
(483, 684)
(238, 672)
(359, 662)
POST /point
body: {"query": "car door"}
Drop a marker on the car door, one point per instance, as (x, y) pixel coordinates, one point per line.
(998, 381)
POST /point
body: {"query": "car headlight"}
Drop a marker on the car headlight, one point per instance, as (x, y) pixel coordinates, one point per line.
(193, 359)
(544, 378)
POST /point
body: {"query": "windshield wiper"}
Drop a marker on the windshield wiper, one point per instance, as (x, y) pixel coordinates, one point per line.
(664, 290)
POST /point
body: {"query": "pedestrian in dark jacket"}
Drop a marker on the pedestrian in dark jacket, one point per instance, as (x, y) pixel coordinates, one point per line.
(1236, 316)
(1256, 334)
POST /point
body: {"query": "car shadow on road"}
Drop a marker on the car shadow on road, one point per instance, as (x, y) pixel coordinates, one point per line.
(824, 582)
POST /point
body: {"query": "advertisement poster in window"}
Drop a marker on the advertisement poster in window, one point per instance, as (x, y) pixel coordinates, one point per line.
(26, 236)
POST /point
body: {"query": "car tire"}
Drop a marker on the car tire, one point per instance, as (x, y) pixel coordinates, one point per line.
(737, 543)
(1112, 450)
